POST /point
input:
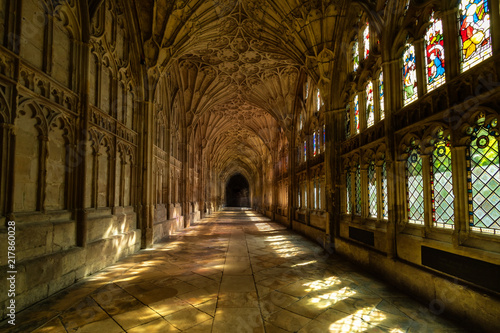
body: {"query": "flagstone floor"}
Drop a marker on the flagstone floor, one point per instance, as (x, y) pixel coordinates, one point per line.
(232, 272)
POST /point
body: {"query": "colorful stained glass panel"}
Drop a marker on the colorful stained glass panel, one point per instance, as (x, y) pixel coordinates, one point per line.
(314, 144)
(366, 40)
(410, 93)
(370, 110)
(474, 25)
(434, 54)
(356, 114)
(381, 95)
(348, 121)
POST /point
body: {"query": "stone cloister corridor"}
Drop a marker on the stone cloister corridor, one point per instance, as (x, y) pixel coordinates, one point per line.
(362, 135)
(235, 271)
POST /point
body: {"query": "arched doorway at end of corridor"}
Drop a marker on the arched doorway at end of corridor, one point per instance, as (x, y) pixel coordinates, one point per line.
(237, 191)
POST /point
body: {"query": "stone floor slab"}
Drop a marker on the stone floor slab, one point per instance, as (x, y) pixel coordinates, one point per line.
(234, 271)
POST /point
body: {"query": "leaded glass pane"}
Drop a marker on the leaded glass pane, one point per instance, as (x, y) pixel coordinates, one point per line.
(348, 196)
(348, 121)
(410, 93)
(355, 55)
(356, 113)
(484, 179)
(442, 186)
(372, 189)
(434, 54)
(474, 25)
(415, 188)
(366, 40)
(385, 204)
(381, 94)
(319, 194)
(357, 188)
(370, 110)
(315, 198)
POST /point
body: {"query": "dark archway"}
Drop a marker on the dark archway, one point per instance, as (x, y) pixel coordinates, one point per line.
(237, 192)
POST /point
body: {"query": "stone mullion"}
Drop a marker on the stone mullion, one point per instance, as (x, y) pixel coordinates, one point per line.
(460, 191)
(427, 179)
(380, 191)
(362, 110)
(335, 131)
(365, 204)
(451, 43)
(80, 179)
(494, 6)
(147, 198)
(420, 64)
(42, 172)
(395, 169)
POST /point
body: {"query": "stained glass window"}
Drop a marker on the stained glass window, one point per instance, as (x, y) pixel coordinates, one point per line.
(410, 93)
(415, 187)
(348, 121)
(434, 53)
(355, 55)
(348, 187)
(315, 198)
(381, 94)
(319, 194)
(314, 144)
(483, 170)
(305, 151)
(366, 40)
(324, 137)
(307, 88)
(372, 189)
(356, 114)
(475, 39)
(370, 110)
(442, 185)
(357, 189)
(385, 201)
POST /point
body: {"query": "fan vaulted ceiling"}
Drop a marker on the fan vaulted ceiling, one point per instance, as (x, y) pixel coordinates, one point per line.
(237, 65)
